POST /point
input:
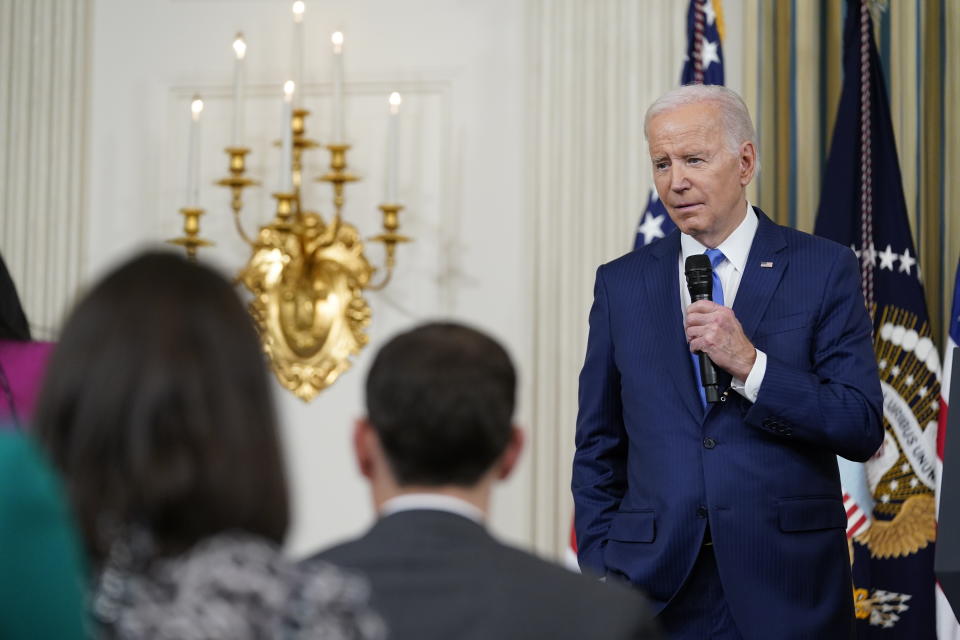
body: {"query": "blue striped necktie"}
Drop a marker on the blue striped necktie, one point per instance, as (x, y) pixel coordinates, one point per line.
(716, 257)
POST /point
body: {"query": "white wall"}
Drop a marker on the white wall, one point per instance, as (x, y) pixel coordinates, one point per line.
(459, 67)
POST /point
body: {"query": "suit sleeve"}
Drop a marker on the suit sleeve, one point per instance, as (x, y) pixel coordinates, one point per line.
(599, 464)
(838, 403)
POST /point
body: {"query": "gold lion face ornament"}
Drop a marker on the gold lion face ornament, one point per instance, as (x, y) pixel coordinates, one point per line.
(308, 302)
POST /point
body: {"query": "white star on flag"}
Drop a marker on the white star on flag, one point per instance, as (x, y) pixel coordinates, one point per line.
(887, 258)
(709, 54)
(906, 261)
(869, 255)
(651, 227)
(709, 13)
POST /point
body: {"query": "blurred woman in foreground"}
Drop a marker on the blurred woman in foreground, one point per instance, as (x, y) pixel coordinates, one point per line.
(157, 412)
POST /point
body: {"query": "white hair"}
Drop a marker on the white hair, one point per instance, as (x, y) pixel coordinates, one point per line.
(734, 116)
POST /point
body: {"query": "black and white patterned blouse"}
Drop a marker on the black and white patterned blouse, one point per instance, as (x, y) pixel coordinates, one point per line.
(231, 586)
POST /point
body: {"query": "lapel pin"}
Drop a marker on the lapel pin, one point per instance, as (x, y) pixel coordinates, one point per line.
(766, 265)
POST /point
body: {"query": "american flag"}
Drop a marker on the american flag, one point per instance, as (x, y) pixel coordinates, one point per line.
(857, 520)
(703, 64)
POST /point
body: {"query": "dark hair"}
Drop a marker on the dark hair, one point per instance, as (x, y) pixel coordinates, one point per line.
(441, 399)
(157, 411)
(13, 321)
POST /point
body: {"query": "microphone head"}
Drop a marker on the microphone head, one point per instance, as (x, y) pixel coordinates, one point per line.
(699, 274)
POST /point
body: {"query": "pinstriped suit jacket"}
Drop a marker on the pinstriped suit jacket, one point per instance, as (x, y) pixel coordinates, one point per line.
(652, 467)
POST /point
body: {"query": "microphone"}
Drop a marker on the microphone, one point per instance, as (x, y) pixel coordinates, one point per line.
(699, 274)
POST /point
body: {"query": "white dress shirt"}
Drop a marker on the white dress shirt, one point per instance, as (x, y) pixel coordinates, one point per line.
(736, 249)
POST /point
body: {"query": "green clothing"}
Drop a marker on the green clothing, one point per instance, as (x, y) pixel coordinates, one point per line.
(42, 582)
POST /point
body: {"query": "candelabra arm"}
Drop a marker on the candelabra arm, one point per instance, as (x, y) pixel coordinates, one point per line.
(239, 226)
(301, 143)
(388, 274)
(337, 176)
(237, 182)
(390, 239)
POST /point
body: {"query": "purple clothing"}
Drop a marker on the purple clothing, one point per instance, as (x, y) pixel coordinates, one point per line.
(24, 364)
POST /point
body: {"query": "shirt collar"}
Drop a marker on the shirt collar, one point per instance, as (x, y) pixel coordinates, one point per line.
(736, 248)
(432, 502)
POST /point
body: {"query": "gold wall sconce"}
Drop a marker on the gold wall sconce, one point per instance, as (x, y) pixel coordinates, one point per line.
(307, 274)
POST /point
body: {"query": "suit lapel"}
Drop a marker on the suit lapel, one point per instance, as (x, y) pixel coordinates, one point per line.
(663, 289)
(766, 264)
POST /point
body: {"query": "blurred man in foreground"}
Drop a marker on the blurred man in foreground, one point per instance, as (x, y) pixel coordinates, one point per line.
(437, 436)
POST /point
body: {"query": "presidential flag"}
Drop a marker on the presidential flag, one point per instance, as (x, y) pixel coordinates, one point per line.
(703, 64)
(862, 206)
(947, 626)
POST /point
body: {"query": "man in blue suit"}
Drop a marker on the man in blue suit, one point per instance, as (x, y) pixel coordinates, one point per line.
(729, 514)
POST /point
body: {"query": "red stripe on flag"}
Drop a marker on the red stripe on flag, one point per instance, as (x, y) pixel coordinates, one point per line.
(852, 531)
(942, 426)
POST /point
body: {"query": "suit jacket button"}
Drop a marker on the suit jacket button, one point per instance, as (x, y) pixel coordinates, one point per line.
(701, 512)
(709, 443)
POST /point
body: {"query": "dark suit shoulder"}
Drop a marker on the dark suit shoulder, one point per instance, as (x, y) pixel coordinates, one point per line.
(772, 233)
(642, 254)
(637, 263)
(440, 576)
(582, 604)
(586, 591)
(342, 554)
(805, 241)
(345, 548)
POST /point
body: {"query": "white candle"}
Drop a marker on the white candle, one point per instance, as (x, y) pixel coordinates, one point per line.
(337, 40)
(393, 161)
(240, 50)
(298, 9)
(193, 157)
(286, 145)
